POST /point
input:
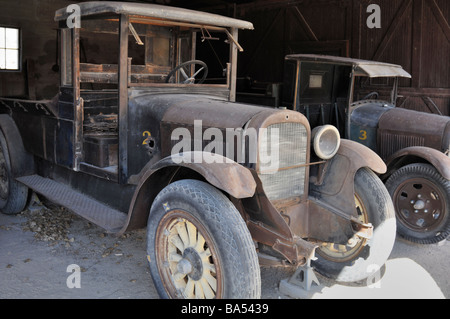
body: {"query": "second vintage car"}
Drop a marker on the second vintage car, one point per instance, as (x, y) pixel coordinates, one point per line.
(414, 145)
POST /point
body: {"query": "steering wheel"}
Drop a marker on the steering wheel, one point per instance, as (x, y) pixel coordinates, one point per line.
(373, 95)
(186, 78)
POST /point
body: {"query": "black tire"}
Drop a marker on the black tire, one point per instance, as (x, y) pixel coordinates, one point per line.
(352, 264)
(189, 220)
(421, 199)
(13, 195)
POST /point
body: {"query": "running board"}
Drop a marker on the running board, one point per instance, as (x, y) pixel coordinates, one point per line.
(94, 211)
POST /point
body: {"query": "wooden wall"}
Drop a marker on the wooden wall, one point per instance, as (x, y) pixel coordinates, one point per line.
(413, 33)
(39, 77)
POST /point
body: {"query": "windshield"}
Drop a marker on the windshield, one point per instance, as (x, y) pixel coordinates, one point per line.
(159, 54)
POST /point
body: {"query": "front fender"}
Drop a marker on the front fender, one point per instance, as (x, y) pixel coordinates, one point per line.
(223, 173)
(410, 155)
(361, 156)
(336, 176)
(332, 192)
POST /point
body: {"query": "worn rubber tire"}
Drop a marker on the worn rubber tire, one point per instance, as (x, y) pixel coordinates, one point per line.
(14, 198)
(222, 222)
(441, 230)
(380, 212)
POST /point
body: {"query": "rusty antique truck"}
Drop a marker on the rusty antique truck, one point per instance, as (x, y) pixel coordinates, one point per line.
(415, 145)
(134, 139)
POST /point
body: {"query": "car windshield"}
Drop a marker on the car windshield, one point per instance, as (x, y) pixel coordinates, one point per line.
(159, 54)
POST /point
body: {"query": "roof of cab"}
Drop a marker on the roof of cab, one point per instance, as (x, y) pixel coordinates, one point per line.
(92, 8)
(371, 69)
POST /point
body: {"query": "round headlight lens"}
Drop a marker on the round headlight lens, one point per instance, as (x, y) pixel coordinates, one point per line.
(326, 141)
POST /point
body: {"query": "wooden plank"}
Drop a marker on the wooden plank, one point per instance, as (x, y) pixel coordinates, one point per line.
(135, 69)
(123, 98)
(263, 39)
(440, 18)
(416, 67)
(305, 25)
(31, 79)
(78, 102)
(234, 56)
(398, 19)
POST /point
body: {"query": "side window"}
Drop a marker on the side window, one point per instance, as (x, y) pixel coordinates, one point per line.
(10, 49)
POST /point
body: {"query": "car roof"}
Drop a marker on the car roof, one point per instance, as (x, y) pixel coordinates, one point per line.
(371, 69)
(93, 8)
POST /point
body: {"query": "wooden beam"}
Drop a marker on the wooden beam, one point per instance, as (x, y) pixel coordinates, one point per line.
(305, 25)
(440, 18)
(417, 36)
(77, 101)
(123, 98)
(262, 40)
(234, 57)
(401, 13)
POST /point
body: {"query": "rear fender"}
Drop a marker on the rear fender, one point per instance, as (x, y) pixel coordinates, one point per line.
(224, 174)
(416, 154)
(22, 162)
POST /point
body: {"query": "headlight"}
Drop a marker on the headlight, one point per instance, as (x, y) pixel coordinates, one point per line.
(326, 141)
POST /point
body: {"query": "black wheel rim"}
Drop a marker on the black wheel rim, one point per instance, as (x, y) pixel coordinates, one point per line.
(420, 204)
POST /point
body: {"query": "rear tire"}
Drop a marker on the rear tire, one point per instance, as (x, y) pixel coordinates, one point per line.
(374, 205)
(13, 195)
(199, 246)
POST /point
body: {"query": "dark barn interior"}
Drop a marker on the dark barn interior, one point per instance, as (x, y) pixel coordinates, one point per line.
(413, 33)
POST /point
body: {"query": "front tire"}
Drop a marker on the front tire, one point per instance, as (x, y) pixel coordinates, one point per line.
(199, 246)
(354, 263)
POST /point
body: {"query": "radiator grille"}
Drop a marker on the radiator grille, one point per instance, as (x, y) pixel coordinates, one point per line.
(391, 143)
(280, 175)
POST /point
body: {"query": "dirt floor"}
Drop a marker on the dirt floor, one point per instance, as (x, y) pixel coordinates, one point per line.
(38, 250)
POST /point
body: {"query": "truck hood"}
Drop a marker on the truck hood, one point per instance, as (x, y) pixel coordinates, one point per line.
(186, 108)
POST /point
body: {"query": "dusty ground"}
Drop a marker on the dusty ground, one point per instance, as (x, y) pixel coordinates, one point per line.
(36, 249)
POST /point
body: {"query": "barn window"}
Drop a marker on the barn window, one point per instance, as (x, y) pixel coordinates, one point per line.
(9, 49)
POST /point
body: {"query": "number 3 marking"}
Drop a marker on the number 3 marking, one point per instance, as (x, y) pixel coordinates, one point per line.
(363, 135)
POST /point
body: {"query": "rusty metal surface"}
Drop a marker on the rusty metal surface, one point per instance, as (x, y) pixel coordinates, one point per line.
(438, 159)
(362, 67)
(400, 128)
(186, 109)
(332, 201)
(93, 8)
(232, 178)
(226, 175)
